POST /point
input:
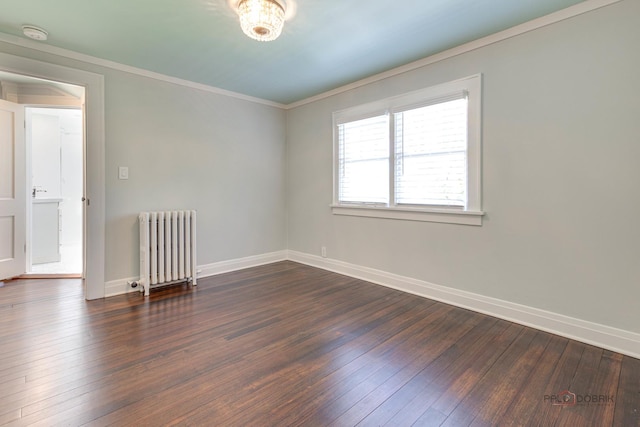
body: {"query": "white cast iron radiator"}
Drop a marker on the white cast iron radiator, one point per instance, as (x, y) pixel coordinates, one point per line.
(167, 248)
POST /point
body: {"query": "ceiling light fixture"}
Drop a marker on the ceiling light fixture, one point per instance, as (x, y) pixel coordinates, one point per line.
(35, 33)
(262, 19)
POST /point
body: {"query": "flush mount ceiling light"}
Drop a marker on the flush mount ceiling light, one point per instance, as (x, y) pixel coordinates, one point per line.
(261, 19)
(35, 33)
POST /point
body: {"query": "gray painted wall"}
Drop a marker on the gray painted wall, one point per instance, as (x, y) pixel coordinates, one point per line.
(561, 143)
(187, 149)
(191, 149)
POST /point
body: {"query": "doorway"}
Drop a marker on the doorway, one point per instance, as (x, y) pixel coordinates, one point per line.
(46, 181)
(55, 165)
(92, 85)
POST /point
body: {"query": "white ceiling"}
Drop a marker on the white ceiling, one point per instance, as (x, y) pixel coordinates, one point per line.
(325, 45)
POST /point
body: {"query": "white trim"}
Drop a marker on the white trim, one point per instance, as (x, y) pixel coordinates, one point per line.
(65, 53)
(121, 286)
(552, 18)
(471, 213)
(618, 340)
(240, 263)
(448, 216)
(94, 158)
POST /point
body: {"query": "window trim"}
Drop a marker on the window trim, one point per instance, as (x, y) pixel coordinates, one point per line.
(471, 213)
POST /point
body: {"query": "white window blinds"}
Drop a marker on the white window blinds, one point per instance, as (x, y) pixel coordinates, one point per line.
(364, 160)
(415, 156)
(431, 154)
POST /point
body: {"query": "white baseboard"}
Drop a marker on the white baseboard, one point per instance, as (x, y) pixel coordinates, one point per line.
(240, 263)
(121, 286)
(618, 340)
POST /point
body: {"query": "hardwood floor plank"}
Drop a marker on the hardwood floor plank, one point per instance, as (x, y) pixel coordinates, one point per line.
(287, 344)
(496, 387)
(595, 390)
(431, 417)
(397, 401)
(605, 387)
(581, 384)
(528, 400)
(454, 386)
(400, 359)
(512, 381)
(363, 399)
(300, 339)
(627, 398)
(280, 374)
(426, 388)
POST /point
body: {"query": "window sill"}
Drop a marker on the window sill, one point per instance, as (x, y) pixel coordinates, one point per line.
(448, 216)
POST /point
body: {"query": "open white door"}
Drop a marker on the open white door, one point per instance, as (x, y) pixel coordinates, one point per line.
(12, 190)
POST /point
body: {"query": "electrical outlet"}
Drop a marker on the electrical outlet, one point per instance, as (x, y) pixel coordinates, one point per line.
(123, 172)
(323, 251)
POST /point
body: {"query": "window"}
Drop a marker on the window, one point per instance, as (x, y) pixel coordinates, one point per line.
(415, 156)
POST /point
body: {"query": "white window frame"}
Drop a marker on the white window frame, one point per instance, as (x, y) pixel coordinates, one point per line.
(471, 213)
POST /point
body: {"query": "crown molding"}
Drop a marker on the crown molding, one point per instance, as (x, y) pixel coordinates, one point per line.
(65, 53)
(561, 15)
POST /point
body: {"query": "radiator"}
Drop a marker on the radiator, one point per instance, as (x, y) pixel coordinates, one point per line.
(167, 249)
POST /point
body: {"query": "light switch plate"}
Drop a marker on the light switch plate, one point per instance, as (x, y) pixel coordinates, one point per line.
(123, 172)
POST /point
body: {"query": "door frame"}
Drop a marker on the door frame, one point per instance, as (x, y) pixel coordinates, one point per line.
(14, 204)
(94, 169)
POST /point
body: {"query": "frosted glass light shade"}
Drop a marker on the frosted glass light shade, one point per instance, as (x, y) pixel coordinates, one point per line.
(261, 19)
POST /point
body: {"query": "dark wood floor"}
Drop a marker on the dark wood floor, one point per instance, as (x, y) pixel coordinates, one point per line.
(286, 344)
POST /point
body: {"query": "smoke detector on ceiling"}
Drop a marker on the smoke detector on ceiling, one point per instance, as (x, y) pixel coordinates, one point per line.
(35, 33)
